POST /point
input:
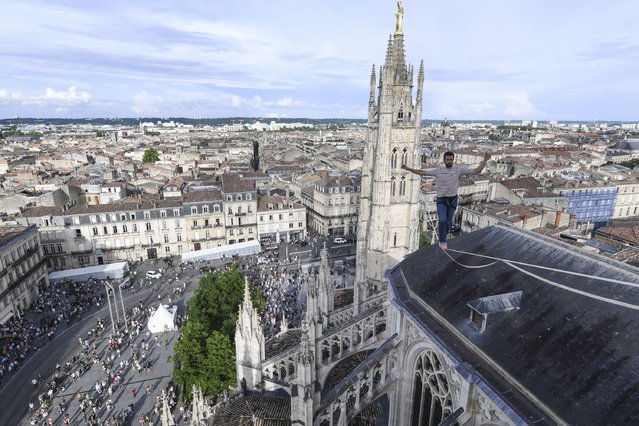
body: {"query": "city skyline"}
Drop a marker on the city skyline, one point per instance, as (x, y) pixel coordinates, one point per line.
(539, 60)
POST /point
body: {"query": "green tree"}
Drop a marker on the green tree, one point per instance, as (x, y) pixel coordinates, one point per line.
(150, 156)
(220, 371)
(217, 299)
(630, 163)
(189, 357)
(424, 238)
(204, 355)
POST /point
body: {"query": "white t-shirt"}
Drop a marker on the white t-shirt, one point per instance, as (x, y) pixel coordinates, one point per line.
(447, 179)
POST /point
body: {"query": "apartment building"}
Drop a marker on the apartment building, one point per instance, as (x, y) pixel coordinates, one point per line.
(205, 220)
(332, 205)
(240, 208)
(522, 216)
(280, 219)
(23, 271)
(85, 235)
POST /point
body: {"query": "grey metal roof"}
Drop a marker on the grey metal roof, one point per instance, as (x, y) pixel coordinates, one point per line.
(576, 355)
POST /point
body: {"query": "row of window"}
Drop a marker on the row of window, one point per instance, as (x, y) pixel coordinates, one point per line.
(122, 217)
(239, 197)
(17, 252)
(51, 249)
(279, 217)
(402, 185)
(336, 190)
(394, 155)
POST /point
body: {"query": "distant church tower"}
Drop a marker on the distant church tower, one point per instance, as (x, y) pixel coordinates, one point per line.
(389, 206)
(255, 160)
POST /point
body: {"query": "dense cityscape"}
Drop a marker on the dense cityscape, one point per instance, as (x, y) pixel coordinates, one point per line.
(271, 271)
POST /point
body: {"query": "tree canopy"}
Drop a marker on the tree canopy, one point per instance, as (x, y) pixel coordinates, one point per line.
(150, 156)
(205, 354)
(631, 163)
(424, 238)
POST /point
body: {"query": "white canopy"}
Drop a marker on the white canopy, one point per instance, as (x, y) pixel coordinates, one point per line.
(163, 319)
(241, 249)
(100, 272)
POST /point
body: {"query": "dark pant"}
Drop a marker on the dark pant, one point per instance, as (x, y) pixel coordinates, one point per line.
(445, 211)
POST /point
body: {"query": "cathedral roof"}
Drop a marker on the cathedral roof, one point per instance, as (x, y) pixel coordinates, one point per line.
(570, 349)
(343, 297)
(253, 410)
(343, 368)
(282, 343)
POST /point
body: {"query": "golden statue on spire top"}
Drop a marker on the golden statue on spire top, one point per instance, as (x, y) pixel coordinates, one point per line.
(400, 17)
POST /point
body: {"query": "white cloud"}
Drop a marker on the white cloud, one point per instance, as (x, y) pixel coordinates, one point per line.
(61, 101)
(145, 103)
(236, 101)
(518, 105)
(259, 103)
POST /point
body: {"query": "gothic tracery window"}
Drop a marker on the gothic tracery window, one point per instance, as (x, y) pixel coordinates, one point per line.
(394, 158)
(400, 114)
(402, 186)
(393, 185)
(431, 392)
(404, 156)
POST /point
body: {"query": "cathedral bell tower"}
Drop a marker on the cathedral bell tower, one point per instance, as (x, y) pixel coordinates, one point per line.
(389, 204)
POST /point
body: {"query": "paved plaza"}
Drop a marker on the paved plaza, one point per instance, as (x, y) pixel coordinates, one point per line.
(97, 384)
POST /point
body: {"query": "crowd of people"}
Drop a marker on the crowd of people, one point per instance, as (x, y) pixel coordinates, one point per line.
(55, 307)
(117, 357)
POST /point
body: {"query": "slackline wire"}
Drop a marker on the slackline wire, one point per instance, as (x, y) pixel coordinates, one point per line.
(574, 290)
(514, 262)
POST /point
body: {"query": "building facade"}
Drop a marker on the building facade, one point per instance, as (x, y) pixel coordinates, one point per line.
(332, 204)
(23, 270)
(240, 208)
(280, 219)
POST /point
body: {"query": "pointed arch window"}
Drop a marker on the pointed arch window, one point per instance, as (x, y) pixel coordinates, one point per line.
(400, 114)
(395, 239)
(405, 156)
(402, 186)
(394, 158)
(431, 393)
(393, 185)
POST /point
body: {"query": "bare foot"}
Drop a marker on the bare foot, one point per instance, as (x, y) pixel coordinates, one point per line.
(443, 246)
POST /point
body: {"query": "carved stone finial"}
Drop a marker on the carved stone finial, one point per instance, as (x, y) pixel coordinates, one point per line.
(400, 17)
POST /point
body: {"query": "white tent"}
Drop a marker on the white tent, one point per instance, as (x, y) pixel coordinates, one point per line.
(244, 248)
(163, 319)
(100, 272)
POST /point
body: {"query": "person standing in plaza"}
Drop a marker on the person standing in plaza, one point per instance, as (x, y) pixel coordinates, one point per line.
(447, 182)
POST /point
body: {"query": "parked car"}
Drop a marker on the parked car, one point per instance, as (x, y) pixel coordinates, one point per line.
(272, 247)
(339, 240)
(261, 260)
(153, 275)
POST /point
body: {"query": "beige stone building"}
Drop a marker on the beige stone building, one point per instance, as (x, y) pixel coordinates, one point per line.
(240, 208)
(23, 271)
(333, 205)
(205, 220)
(280, 219)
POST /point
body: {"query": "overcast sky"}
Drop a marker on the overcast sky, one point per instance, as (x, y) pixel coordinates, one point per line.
(489, 59)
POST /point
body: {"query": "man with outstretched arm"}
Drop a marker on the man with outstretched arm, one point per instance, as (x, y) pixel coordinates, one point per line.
(447, 181)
